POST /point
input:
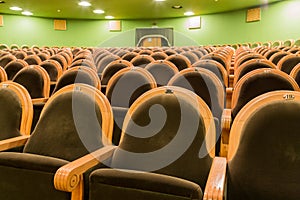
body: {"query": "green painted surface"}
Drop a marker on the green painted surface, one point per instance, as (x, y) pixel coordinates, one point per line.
(279, 21)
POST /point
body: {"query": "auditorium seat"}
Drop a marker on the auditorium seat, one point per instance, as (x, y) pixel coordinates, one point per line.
(251, 85)
(83, 62)
(159, 55)
(180, 61)
(129, 56)
(295, 74)
(4, 60)
(76, 120)
(276, 57)
(37, 82)
(162, 71)
(62, 61)
(225, 61)
(123, 89)
(251, 65)
(288, 62)
(247, 57)
(165, 151)
(105, 61)
(13, 67)
(208, 87)
(3, 75)
(264, 148)
(15, 116)
(33, 60)
(215, 67)
(111, 69)
(54, 71)
(141, 60)
(79, 74)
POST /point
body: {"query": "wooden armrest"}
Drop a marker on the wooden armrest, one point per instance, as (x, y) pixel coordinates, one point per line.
(214, 189)
(68, 176)
(229, 92)
(13, 142)
(39, 100)
(225, 130)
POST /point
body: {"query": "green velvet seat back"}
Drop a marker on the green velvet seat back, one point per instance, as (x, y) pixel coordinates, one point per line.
(266, 165)
(165, 135)
(68, 128)
(257, 85)
(10, 115)
(71, 77)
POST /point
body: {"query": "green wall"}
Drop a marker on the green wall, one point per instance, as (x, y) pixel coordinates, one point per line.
(279, 21)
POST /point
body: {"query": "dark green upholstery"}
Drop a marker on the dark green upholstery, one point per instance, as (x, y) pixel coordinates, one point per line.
(259, 84)
(32, 80)
(71, 77)
(10, 115)
(266, 165)
(168, 144)
(68, 129)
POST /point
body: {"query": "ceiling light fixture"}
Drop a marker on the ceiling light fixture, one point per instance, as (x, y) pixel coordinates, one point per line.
(160, 0)
(15, 8)
(189, 13)
(109, 17)
(177, 6)
(27, 13)
(98, 11)
(2, 1)
(84, 3)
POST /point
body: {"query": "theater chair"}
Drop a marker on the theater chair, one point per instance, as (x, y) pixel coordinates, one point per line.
(37, 82)
(251, 85)
(76, 120)
(33, 60)
(295, 74)
(288, 62)
(162, 71)
(4, 60)
(111, 69)
(3, 75)
(79, 74)
(54, 71)
(15, 116)
(123, 89)
(208, 87)
(180, 61)
(264, 149)
(13, 67)
(142, 60)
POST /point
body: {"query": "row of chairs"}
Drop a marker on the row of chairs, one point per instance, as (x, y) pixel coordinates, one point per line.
(166, 149)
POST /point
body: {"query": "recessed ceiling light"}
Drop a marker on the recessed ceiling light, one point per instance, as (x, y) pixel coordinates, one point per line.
(109, 17)
(84, 3)
(27, 13)
(177, 7)
(2, 1)
(189, 13)
(98, 11)
(160, 0)
(15, 8)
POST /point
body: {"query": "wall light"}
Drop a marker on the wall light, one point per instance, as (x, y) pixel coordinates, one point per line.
(15, 8)
(27, 13)
(84, 3)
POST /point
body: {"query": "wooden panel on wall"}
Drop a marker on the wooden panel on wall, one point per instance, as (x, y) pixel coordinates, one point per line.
(115, 25)
(253, 15)
(60, 24)
(1, 20)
